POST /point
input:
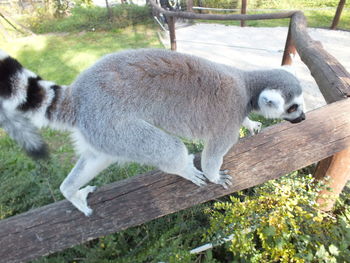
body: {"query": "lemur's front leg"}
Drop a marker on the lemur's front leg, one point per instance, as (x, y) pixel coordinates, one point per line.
(88, 166)
(212, 159)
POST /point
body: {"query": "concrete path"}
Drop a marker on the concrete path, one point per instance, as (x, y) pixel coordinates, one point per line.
(258, 48)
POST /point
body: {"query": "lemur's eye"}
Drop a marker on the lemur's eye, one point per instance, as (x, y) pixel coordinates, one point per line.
(292, 108)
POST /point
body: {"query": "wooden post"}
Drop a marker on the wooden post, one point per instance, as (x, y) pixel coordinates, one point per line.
(289, 48)
(338, 14)
(337, 169)
(171, 25)
(189, 5)
(334, 83)
(243, 11)
(200, 5)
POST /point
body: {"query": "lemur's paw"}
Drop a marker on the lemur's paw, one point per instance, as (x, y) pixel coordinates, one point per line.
(88, 211)
(192, 173)
(87, 190)
(197, 178)
(254, 127)
(223, 179)
(79, 199)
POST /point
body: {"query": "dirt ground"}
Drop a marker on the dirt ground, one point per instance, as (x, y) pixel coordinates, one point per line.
(252, 48)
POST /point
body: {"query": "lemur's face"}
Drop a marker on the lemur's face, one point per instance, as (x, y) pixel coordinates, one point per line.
(294, 111)
(272, 105)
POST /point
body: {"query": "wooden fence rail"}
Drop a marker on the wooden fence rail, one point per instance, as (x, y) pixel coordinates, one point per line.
(139, 199)
(275, 151)
(244, 3)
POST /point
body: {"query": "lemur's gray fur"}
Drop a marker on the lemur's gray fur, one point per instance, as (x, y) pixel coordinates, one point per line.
(129, 105)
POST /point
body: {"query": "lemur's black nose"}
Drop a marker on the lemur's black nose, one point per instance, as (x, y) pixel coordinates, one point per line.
(299, 119)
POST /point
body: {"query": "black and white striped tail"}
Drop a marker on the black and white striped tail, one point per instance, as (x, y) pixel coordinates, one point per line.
(25, 96)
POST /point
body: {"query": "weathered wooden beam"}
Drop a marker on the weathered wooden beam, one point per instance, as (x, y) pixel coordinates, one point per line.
(191, 15)
(330, 76)
(334, 82)
(338, 14)
(277, 150)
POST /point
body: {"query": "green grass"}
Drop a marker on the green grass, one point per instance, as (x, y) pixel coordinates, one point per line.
(60, 57)
(92, 19)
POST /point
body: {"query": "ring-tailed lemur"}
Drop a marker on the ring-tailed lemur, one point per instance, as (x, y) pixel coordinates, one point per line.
(129, 105)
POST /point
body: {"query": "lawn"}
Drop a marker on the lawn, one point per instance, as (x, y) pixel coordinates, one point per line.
(26, 184)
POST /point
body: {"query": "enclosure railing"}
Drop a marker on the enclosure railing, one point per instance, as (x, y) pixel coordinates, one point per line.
(244, 4)
(275, 151)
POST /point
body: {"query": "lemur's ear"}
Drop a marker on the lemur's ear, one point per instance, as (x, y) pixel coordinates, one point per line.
(271, 98)
(267, 101)
(271, 103)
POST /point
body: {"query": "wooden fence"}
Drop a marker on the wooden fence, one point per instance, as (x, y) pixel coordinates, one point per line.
(244, 4)
(275, 151)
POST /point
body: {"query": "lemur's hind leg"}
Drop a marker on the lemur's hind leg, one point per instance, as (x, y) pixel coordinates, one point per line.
(88, 166)
(149, 145)
(212, 158)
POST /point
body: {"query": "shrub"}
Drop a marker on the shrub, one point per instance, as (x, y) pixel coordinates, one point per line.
(229, 4)
(281, 222)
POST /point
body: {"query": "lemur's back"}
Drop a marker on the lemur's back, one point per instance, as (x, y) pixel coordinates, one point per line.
(176, 92)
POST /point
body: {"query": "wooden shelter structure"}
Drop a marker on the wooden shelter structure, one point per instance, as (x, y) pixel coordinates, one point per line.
(277, 150)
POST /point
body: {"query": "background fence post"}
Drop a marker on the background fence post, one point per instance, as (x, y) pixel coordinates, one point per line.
(338, 14)
(243, 11)
(171, 25)
(289, 48)
(189, 5)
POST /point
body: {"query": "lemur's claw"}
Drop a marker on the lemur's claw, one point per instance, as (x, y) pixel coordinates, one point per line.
(88, 211)
(224, 179)
(195, 176)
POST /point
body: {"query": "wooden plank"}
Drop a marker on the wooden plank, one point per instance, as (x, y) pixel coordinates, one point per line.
(334, 83)
(331, 77)
(338, 14)
(275, 151)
